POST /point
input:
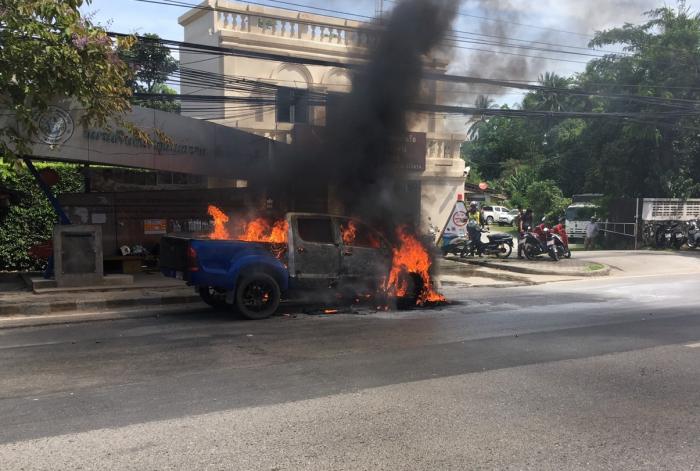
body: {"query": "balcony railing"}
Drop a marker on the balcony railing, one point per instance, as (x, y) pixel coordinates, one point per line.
(314, 28)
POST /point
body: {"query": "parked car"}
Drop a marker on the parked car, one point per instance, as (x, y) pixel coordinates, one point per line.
(509, 218)
(493, 213)
(252, 277)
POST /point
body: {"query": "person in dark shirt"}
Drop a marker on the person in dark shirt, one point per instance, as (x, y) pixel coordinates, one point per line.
(524, 225)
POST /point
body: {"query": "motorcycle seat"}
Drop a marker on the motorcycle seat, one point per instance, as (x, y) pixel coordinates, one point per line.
(499, 237)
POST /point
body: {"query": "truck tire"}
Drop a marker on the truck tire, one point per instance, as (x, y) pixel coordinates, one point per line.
(257, 296)
(212, 296)
(415, 287)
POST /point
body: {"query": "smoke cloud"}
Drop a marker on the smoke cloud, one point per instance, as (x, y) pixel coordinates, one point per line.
(509, 19)
(356, 156)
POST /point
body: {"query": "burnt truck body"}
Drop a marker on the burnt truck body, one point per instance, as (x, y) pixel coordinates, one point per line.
(324, 256)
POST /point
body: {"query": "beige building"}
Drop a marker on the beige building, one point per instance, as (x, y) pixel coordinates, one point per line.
(308, 36)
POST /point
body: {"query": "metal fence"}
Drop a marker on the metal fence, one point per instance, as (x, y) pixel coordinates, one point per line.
(620, 229)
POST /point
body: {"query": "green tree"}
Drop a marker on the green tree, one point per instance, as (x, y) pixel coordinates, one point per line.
(152, 64)
(48, 52)
(482, 102)
(31, 221)
(656, 154)
(546, 199)
(659, 155)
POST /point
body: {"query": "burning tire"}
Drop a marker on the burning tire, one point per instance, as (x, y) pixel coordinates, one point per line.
(414, 287)
(212, 296)
(257, 296)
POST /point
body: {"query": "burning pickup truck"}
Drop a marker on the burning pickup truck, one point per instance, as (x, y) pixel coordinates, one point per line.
(302, 254)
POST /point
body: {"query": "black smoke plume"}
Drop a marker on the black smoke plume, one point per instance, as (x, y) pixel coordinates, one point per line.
(356, 156)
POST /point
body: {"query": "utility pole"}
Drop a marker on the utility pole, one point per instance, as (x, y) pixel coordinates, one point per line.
(379, 9)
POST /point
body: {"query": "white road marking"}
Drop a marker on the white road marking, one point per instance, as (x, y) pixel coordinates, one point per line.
(693, 345)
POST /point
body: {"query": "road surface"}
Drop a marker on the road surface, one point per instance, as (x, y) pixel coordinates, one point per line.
(594, 374)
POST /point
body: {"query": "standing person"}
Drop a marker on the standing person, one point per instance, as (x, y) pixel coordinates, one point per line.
(592, 231)
(474, 224)
(524, 225)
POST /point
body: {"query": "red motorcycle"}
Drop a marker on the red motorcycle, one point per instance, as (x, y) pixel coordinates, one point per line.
(561, 241)
(540, 241)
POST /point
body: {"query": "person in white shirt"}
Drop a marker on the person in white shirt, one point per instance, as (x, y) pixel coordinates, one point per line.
(592, 231)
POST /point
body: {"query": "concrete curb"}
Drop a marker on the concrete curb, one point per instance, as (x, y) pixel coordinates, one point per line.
(605, 271)
(39, 308)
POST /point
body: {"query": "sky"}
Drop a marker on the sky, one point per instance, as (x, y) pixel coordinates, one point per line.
(552, 23)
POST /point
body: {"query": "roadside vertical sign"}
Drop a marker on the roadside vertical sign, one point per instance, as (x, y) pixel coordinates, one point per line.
(456, 225)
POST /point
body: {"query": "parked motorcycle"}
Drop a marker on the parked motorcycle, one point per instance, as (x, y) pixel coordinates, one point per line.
(499, 244)
(561, 241)
(670, 235)
(694, 234)
(540, 241)
(455, 246)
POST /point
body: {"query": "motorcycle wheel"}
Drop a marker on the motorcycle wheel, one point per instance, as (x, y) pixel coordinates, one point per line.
(554, 254)
(504, 251)
(660, 238)
(529, 252)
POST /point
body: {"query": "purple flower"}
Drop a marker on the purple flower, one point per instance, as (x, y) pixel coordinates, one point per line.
(80, 42)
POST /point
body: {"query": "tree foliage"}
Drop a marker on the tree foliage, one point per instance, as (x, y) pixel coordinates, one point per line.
(31, 221)
(152, 64)
(48, 51)
(657, 156)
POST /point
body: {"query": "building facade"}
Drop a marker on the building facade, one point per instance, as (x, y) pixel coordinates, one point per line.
(305, 36)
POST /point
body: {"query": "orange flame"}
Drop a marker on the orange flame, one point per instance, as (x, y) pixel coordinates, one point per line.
(279, 232)
(349, 232)
(220, 219)
(260, 230)
(362, 237)
(256, 230)
(411, 257)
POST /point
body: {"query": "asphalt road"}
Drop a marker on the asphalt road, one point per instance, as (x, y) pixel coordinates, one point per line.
(594, 374)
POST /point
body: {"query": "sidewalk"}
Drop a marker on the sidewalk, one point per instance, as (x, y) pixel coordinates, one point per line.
(571, 267)
(147, 291)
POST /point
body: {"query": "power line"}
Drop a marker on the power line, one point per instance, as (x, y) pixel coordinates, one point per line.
(499, 20)
(455, 37)
(430, 75)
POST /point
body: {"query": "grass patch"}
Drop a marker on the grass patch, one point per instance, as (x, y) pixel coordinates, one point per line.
(594, 266)
(507, 229)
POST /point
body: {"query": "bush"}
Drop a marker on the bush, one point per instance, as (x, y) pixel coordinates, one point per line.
(546, 199)
(32, 220)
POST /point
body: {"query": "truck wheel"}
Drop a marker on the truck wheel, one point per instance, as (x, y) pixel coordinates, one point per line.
(414, 288)
(212, 296)
(257, 296)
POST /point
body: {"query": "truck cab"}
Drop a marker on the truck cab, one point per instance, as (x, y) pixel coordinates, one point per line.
(321, 252)
(577, 217)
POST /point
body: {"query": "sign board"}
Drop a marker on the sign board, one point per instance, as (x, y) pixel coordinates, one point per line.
(175, 143)
(98, 218)
(155, 226)
(456, 225)
(411, 152)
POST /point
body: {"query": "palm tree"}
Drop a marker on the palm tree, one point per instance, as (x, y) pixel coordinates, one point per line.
(549, 99)
(483, 102)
